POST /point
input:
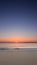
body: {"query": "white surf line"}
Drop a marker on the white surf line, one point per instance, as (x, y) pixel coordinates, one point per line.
(22, 47)
(18, 48)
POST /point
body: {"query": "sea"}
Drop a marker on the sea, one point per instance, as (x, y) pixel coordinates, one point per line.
(17, 46)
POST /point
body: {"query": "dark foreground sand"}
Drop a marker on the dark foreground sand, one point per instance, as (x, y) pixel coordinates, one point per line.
(17, 57)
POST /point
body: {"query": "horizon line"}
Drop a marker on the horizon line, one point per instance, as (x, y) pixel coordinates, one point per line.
(18, 42)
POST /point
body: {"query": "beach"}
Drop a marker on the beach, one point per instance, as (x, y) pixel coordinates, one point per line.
(18, 57)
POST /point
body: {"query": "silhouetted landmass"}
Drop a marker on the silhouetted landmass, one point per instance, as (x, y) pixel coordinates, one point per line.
(18, 42)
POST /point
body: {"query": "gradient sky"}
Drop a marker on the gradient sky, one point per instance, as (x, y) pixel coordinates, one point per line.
(18, 20)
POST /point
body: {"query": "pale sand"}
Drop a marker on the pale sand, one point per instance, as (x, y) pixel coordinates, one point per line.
(17, 57)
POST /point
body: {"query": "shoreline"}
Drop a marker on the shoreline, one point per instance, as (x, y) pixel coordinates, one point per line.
(17, 48)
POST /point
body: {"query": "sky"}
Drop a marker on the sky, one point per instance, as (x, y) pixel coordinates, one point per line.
(18, 20)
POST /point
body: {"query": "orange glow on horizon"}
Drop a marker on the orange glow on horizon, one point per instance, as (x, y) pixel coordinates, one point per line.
(17, 40)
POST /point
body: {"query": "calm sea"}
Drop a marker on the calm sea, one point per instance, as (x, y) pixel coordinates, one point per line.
(25, 45)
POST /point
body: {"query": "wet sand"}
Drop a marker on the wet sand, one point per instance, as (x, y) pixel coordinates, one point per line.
(17, 57)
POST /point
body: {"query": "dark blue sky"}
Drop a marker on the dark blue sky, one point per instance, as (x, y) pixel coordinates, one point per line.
(18, 19)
